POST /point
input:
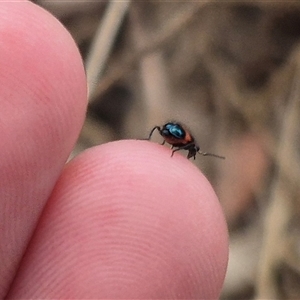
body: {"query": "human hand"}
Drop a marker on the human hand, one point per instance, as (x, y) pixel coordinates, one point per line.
(122, 220)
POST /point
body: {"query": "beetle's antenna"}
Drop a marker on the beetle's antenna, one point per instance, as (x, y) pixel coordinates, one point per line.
(210, 154)
(153, 129)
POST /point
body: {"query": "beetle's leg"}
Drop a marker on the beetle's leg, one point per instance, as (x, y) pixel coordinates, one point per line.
(175, 151)
(184, 147)
(189, 155)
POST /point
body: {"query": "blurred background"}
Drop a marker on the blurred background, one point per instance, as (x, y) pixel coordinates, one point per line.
(230, 72)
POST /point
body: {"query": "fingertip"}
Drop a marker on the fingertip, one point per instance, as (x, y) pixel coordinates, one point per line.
(148, 226)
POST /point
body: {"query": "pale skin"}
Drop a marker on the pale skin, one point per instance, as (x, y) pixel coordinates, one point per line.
(122, 220)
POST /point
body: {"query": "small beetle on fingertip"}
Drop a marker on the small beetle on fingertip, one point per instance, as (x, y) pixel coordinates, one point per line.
(178, 136)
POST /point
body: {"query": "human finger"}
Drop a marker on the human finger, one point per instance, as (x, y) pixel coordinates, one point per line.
(127, 221)
(43, 100)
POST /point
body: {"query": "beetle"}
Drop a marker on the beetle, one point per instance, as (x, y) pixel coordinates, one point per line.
(180, 138)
